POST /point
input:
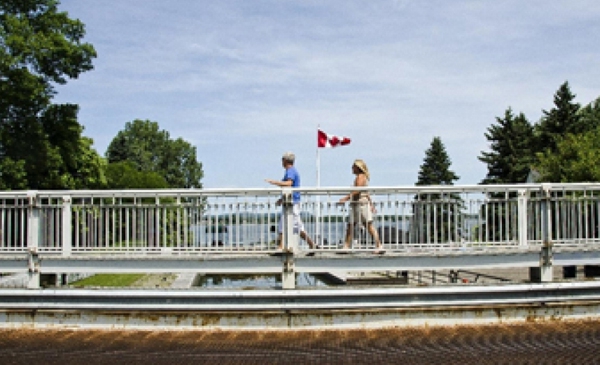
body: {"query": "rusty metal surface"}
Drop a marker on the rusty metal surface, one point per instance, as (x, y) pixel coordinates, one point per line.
(532, 343)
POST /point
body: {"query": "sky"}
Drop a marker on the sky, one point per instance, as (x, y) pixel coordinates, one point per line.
(245, 81)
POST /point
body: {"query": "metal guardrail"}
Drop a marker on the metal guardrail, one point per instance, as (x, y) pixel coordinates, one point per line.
(232, 230)
(299, 309)
(265, 300)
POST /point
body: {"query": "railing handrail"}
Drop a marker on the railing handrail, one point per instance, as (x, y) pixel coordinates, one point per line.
(406, 189)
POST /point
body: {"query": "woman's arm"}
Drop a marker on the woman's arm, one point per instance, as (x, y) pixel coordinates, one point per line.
(360, 180)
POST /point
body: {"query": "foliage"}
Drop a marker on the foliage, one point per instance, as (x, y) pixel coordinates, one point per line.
(151, 149)
(559, 121)
(589, 116)
(124, 175)
(12, 174)
(511, 154)
(41, 146)
(576, 159)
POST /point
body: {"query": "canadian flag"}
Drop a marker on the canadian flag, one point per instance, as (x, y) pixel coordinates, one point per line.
(325, 140)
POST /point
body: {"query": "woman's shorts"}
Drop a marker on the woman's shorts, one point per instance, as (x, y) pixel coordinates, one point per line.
(360, 212)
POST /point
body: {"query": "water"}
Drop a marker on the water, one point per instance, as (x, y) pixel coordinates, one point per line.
(264, 281)
(248, 234)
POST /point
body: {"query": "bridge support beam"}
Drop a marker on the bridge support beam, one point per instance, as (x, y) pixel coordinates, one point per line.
(290, 241)
(544, 273)
(288, 277)
(33, 237)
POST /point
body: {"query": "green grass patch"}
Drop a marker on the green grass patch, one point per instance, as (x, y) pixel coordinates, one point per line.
(114, 280)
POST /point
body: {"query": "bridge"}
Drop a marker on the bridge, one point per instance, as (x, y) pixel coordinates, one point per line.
(221, 231)
(234, 231)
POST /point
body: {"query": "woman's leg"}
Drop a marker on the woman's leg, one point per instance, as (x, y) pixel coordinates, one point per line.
(349, 234)
(375, 236)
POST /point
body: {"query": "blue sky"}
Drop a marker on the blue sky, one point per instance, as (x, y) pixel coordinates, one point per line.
(244, 81)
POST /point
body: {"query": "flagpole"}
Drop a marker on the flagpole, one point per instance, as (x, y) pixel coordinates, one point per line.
(318, 159)
(318, 207)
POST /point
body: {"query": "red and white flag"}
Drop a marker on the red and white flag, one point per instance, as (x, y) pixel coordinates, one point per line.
(325, 140)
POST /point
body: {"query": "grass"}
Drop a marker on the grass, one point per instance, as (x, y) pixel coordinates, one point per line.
(111, 280)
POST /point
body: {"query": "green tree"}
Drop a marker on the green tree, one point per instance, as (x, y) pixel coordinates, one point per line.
(41, 146)
(558, 121)
(576, 160)
(150, 149)
(435, 169)
(509, 162)
(511, 153)
(436, 217)
(573, 159)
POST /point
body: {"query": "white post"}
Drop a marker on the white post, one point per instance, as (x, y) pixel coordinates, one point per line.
(67, 230)
(33, 237)
(523, 218)
(290, 241)
(544, 272)
(546, 254)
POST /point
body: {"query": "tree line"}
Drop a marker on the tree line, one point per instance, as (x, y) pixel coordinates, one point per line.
(42, 145)
(561, 147)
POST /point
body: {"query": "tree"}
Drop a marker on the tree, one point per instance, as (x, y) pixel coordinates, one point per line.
(435, 169)
(150, 149)
(510, 161)
(511, 153)
(559, 121)
(573, 159)
(41, 146)
(436, 217)
(124, 175)
(576, 159)
(589, 116)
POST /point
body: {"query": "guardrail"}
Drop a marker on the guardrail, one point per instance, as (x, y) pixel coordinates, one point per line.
(365, 308)
(233, 230)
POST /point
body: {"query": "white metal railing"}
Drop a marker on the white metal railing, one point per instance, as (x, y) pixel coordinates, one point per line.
(247, 220)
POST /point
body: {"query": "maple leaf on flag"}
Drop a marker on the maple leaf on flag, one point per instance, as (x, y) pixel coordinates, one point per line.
(325, 140)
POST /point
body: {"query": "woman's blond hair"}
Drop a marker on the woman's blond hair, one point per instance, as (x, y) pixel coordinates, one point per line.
(362, 166)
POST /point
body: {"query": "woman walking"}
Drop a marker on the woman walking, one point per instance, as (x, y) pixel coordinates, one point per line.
(361, 207)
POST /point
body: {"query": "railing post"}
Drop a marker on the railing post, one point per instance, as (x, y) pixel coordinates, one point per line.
(523, 218)
(33, 238)
(290, 241)
(67, 230)
(545, 273)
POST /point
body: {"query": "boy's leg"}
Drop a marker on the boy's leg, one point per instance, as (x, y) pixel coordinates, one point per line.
(307, 238)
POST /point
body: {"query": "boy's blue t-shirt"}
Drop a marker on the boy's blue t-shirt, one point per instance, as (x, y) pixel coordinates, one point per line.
(292, 174)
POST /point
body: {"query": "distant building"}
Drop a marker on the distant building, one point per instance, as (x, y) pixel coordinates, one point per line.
(533, 177)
